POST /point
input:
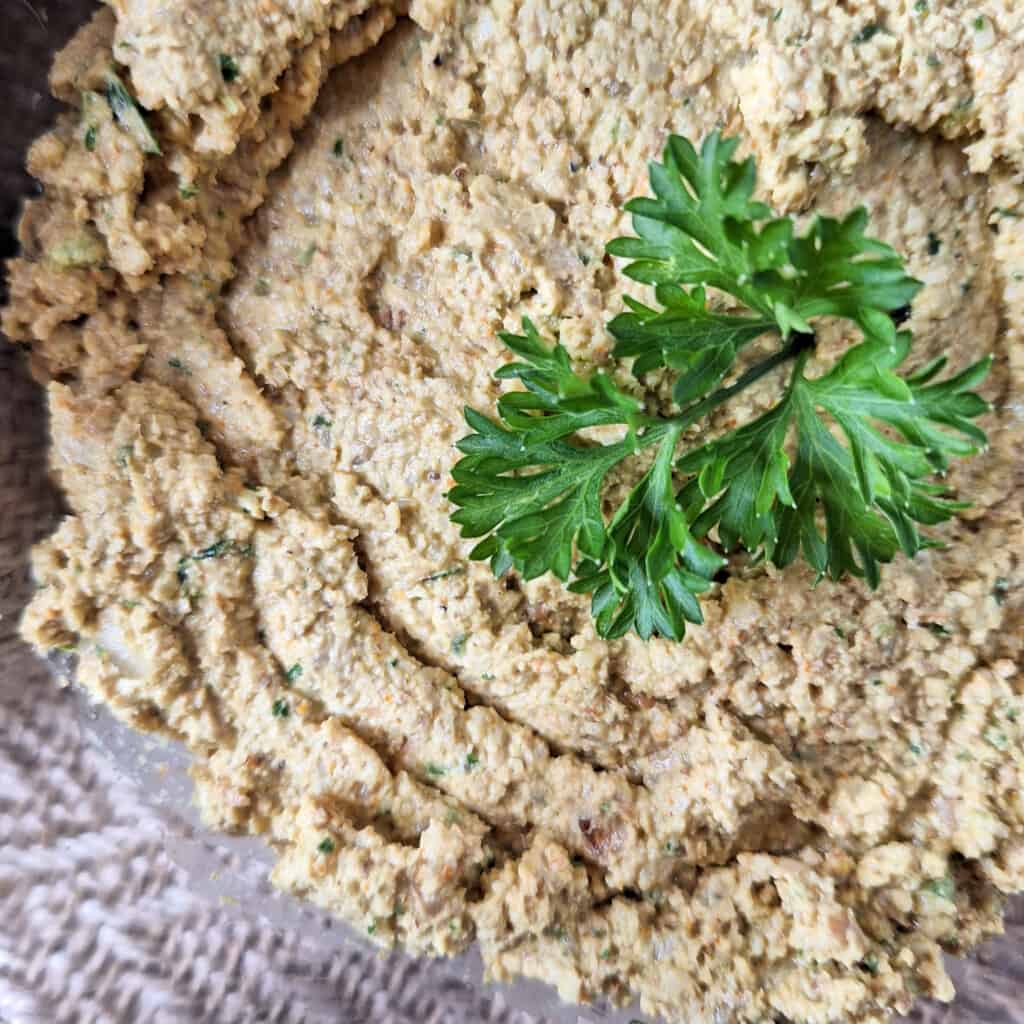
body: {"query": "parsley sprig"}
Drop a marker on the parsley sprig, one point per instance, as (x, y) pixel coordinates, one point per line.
(840, 469)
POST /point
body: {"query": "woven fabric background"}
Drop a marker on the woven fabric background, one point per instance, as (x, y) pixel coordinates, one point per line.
(97, 922)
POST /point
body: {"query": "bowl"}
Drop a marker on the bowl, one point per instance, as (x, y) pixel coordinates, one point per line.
(117, 904)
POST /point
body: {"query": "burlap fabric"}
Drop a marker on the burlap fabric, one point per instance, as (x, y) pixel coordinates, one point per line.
(114, 906)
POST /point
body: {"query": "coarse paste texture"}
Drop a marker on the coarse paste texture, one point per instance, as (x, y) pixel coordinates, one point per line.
(256, 374)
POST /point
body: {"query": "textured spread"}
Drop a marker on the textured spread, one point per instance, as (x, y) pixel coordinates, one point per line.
(790, 814)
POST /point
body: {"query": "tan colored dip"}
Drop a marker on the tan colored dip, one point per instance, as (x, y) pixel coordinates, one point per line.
(256, 375)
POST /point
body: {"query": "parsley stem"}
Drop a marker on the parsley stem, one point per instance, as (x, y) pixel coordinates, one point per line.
(798, 343)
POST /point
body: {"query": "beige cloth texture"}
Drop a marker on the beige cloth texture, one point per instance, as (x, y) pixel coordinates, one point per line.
(97, 922)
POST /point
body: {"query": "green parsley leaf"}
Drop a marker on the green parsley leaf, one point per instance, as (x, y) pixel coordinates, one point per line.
(702, 229)
(556, 401)
(837, 470)
(127, 113)
(944, 888)
(867, 33)
(871, 490)
(870, 963)
(535, 519)
(698, 228)
(216, 550)
(443, 574)
(685, 336)
(81, 250)
(996, 738)
(651, 569)
(228, 67)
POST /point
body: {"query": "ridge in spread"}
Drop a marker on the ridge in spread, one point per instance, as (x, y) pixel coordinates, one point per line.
(256, 371)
